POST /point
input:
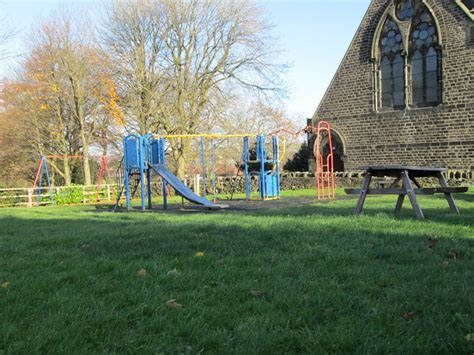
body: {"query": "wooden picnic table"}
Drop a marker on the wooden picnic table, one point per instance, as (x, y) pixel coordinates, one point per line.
(410, 186)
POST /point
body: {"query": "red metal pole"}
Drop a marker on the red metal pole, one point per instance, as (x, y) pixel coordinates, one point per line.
(38, 173)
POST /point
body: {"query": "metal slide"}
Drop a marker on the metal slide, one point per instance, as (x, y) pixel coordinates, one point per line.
(182, 189)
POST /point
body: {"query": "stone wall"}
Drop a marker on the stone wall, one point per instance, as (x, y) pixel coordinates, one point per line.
(305, 180)
(434, 136)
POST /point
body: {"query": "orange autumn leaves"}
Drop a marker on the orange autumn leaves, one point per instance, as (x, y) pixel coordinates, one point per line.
(110, 101)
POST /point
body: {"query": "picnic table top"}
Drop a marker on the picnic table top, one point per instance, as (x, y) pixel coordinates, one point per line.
(395, 170)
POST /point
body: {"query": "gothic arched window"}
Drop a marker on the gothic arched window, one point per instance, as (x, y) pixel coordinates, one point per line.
(425, 60)
(392, 66)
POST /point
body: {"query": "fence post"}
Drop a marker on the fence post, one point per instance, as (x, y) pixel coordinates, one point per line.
(83, 194)
(108, 192)
(30, 197)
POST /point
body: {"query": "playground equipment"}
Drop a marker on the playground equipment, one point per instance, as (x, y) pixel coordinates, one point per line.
(43, 171)
(144, 155)
(325, 182)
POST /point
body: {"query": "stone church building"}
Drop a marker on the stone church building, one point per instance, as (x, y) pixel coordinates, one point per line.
(404, 92)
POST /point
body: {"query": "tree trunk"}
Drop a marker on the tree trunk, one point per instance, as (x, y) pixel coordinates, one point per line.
(86, 166)
(67, 172)
(180, 166)
(178, 148)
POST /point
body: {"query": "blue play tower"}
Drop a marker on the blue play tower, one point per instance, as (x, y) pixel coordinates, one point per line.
(145, 155)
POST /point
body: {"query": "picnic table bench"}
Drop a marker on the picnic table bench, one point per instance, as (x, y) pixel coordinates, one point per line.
(407, 176)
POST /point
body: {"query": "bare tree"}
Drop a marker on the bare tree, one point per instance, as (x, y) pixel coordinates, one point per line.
(178, 57)
(132, 38)
(63, 94)
(79, 65)
(6, 34)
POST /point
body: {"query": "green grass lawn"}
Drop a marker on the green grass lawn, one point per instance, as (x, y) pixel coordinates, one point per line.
(306, 279)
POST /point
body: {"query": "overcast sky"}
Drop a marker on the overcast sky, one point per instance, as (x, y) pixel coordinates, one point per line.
(314, 34)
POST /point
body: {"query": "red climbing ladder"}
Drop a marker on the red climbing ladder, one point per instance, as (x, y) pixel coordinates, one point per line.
(325, 183)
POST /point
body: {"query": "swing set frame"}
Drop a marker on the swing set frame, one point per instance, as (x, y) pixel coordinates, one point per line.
(43, 170)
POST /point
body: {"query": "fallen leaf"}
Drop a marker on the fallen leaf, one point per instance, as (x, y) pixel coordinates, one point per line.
(141, 272)
(329, 312)
(469, 337)
(372, 312)
(454, 254)
(199, 254)
(6, 284)
(173, 304)
(445, 264)
(409, 315)
(173, 272)
(257, 293)
(431, 243)
(220, 262)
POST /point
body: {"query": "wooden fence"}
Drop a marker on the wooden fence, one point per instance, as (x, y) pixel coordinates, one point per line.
(28, 197)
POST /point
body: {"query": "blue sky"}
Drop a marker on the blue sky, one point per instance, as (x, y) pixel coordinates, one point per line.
(314, 34)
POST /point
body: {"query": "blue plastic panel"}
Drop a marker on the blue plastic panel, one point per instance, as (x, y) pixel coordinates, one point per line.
(132, 152)
(155, 152)
(272, 186)
(145, 150)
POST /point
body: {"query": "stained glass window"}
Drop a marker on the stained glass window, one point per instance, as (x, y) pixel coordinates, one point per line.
(425, 60)
(392, 64)
(405, 9)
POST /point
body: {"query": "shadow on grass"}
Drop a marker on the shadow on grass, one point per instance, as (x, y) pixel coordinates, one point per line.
(147, 233)
(343, 207)
(319, 278)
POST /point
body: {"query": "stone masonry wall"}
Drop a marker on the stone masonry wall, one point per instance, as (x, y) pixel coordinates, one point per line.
(305, 180)
(440, 136)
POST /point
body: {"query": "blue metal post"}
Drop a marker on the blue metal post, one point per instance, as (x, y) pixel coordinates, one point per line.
(148, 183)
(213, 168)
(125, 175)
(276, 156)
(44, 169)
(203, 165)
(141, 164)
(40, 185)
(245, 158)
(261, 157)
(162, 160)
(48, 180)
(147, 139)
